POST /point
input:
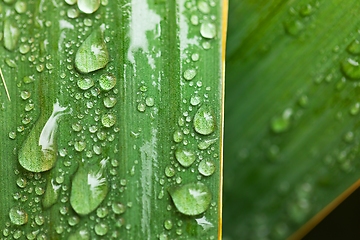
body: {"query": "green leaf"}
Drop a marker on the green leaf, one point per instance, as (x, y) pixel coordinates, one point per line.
(95, 99)
(292, 137)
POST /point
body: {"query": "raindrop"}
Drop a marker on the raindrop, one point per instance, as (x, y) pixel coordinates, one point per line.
(107, 81)
(195, 100)
(141, 107)
(11, 34)
(208, 30)
(92, 54)
(206, 167)
(71, 2)
(354, 109)
(101, 229)
(72, 13)
(81, 234)
(203, 7)
(149, 101)
(118, 208)
(294, 27)
(185, 157)
(169, 171)
(204, 121)
(109, 102)
(354, 47)
(281, 123)
(85, 83)
(189, 74)
(108, 120)
(191, 199)
(20, 7)
(206, 143)
(178, 136)
(88, 6)
(168, 224)
(38, 152)
(18, 216)
(351, 68)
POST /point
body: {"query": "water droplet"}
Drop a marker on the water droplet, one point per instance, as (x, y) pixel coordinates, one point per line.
(195, 100)
(81, 234)
(354, 109)
(21, 182)
(80, 146)
(178, 136)
(189, 74)
(168, 224)
(349, 137)
(191, 199)
(71, 2)
(351, 68)
(118, 208)
(306, 10)
(18, 216)
(12, 135)
(141, 107)
(195, 57)
(206, 167)
(108, 120)
(203, 7)
(149, 101)
(185, 157)
(10, 62)
(294, 27)
(38, 152)
(24, 48)
(39, 220)
(303, 100)
(72, 13)
(11, 34)
(51, 194)
(88, 6)
(109, 102)
(169, 171)
(281, 123)
(354, 47)
(25, 95)
(204, 120)
(89, 188)
(85, 83)
(20, 7)
(101, 229)
(107, 81)
(92, 54)
(208, 30)
(206, 143)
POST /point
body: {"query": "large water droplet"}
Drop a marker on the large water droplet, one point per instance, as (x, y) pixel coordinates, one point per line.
(38, 152)
(208, 30)
(351, 68)
(11, 34)
(88, 6)
(191, 199)
(92, 54)
(204, 121)
(18, 216)
(89, 188)
(185, 157)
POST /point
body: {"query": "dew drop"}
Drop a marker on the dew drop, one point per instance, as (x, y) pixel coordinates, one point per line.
(101, 229)
(178, 136)
(10, 62)
(189, 74)
(141, 107)
(71, 2)
(351, 68)
(354, 109)
(206, 167)
(208, 30)
(354, 47)
(149, 101)
(191, 199)
(109, 102)
(38, 152)
(92, 54)
(185, 157)
(306, 10)
(204, 121)
(80, 146)
(107, 81)
(169, 171)
(72, 13)
(118, 208)
(281, 123)
(206, 143)
(18, 216)
(203, 7)
(108, 120)
(85, 83)
(195, 100)
(89, 188)
(168, 224)
(88, 6)
(11, 34)
(293, 27)
(81, 234)
(20, 7)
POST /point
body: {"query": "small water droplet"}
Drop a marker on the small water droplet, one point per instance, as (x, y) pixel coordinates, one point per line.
(109, 101)
(108, 120)
(149, 101)
(191, 199)
(203, 7)
(107, 81)
(354, 109)
(80, 146)
(351, 68)
(178, 136)
(81, 234)
(11, 34)
(20, 7)
(169, 171)
(189, 74)
(10, 62)
(208, 30)
(354, 47)
(206, 167)
(195, 100)
(18, 216)
(12, 135)
(88, 6)
(185, 157)
(293, 27)
(281, 123)
(168, 224)
(195, 57)
(204, 120)
(141, 107)
(118, 208)
(71, 2)
(206, 143)
(72, 13)
(306, 10)
(101, 229)
(102, 212)
(85, 83)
